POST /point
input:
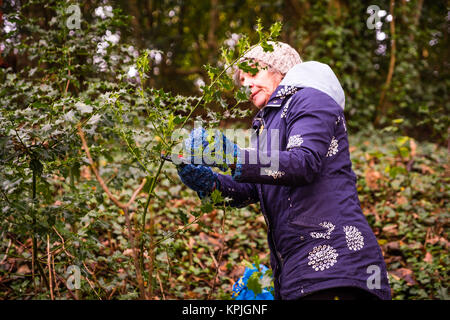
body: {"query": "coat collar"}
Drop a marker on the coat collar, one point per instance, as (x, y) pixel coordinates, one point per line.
(280, 93)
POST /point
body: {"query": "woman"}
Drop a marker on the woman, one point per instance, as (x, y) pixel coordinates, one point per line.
(321, 244)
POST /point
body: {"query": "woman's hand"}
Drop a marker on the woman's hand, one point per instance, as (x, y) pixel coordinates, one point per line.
(211, 148)
(199, 178)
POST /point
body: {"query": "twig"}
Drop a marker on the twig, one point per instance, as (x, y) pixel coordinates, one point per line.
(92, 273)
(172, 234)
(65, 284)
(135, 256)
(136, 192)
(6, 252)
(160, 285)
(5, 196)
(100, 179)
(97, 174)
(112, 292)
(62, 239)
(32, 271)
(216, 264)
(54, 275)
(220, 254)
(90, 284)
(68, 82)
(168, 263)
(49, 268)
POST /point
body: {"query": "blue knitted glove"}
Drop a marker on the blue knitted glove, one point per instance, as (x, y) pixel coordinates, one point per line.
(199, 178)
(211, 148)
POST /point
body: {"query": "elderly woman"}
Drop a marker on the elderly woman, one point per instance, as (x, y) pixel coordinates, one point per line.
(320, 242)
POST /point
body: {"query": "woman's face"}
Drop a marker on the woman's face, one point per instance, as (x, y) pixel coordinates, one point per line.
(262, 85)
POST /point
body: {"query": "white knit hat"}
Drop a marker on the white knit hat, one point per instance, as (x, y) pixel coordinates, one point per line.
(282, 58)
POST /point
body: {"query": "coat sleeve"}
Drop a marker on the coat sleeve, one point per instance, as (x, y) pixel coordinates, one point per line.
(310, 126)
(242, 194)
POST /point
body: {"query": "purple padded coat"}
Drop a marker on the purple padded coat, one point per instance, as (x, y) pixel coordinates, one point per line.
(318, 236)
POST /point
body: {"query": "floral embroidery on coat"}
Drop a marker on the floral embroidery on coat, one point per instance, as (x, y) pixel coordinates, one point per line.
(322, 257)
(274, 174)
(285, 109)
(333, 148)
(325, 235)
(339, 118)
(294, 141)
(286, 91)
(354, 238)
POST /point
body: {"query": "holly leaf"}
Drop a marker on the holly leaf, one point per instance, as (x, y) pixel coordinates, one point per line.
(275, 30)
(216, 196)
(243, 94)
(254, 283)
(247, 68)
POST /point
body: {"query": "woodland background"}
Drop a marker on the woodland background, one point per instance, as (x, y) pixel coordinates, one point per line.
(86, 110)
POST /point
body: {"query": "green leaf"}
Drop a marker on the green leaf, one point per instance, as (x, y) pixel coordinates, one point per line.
(216, 196)
(267, 47)
(207, 207)
(247, 264)
(244, 66)
(183, 216)
(275, 30)
(243, 94)
(179, 120)
(36, 166)
(212, 71)
(254, 283)
(243, 44)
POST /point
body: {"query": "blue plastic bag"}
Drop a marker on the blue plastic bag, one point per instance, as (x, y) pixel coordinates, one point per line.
(242, 292)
